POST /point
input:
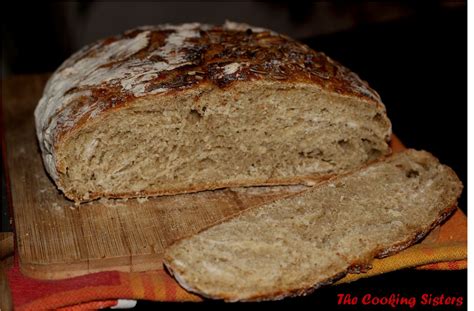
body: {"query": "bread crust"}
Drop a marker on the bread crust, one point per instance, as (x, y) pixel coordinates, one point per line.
(164, 60)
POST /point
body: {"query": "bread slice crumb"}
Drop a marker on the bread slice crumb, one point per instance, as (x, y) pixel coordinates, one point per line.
(295, 245)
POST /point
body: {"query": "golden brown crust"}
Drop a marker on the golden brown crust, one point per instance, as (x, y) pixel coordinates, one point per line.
(219, 57)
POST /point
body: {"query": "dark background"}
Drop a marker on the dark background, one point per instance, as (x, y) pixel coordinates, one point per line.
(413, 53)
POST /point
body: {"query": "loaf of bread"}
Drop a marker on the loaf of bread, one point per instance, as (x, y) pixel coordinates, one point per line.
(175, 109)
(295, 245)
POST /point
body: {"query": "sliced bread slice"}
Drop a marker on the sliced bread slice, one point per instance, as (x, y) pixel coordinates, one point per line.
(295, 245)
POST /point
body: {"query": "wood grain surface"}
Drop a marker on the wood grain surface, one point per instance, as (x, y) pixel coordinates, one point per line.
(57, 239)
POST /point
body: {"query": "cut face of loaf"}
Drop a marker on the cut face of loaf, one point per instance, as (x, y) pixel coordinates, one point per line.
(175, 109)
(292, 246)
(257, 134)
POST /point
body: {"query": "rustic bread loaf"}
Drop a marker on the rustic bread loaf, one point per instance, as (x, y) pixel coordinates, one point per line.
(173, 109)
(295, 245)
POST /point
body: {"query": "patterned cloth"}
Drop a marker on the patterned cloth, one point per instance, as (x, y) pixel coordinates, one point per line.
(445, 248)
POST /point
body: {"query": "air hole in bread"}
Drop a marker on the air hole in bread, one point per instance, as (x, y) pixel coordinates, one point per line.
(194, 116)
(312, 154)
(379, 119)
(374, 154)
(344, 144)
(412, 173)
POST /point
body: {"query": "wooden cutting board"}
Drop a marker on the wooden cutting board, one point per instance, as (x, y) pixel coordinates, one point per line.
(56, 239)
